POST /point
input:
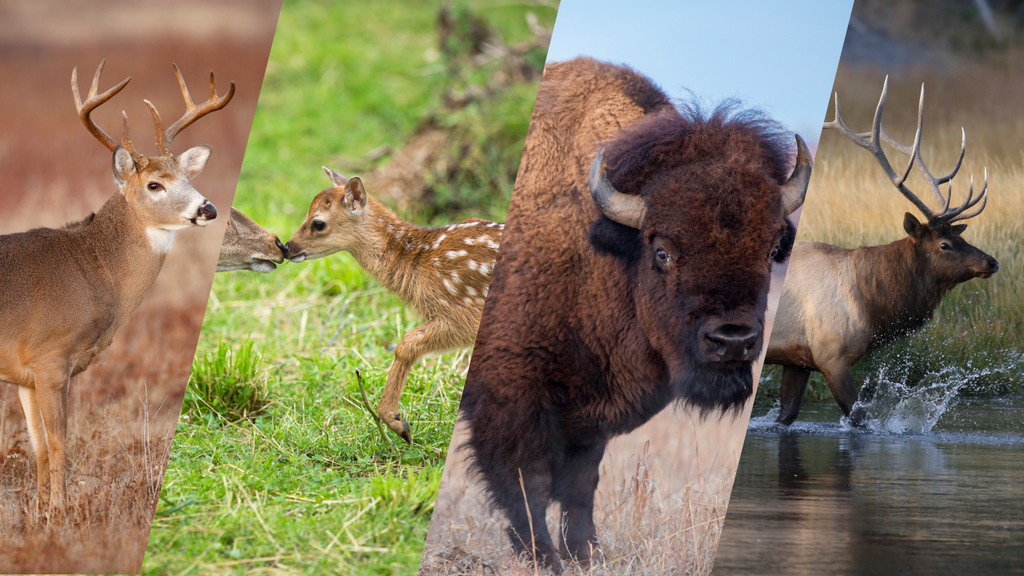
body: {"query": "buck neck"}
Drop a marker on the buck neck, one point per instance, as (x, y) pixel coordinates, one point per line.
(900, 292)
(123, 248)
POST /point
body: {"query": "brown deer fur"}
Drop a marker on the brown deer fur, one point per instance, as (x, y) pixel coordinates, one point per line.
(247, 246)
(443, 272)
(64, 292)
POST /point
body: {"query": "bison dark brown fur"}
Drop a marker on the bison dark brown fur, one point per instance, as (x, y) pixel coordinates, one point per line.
(592, 327)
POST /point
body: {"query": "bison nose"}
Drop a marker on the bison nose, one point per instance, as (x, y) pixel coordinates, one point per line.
(281, 247)
(731, 343)
(208, 211)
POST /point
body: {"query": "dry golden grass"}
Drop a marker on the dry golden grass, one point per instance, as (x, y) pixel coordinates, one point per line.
(123, 409)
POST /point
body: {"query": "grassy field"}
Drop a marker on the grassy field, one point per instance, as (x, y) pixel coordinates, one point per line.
(306, 481)
(977, 335)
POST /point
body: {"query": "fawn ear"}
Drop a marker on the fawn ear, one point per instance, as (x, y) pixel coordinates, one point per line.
(338, 179)
(355, 195)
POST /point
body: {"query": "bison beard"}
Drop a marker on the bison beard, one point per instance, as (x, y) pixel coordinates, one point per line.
(582, 337)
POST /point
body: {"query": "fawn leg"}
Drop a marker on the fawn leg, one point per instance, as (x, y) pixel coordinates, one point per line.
(794, 382)
(432, 337)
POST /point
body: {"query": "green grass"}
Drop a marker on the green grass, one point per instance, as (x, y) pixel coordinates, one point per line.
(304, 480)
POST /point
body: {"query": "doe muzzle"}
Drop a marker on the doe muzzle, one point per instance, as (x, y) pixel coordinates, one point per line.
(208, 211)
(282, 247)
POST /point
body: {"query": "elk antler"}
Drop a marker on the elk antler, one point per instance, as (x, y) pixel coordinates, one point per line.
(93, 101)
(192, 112)
(871, 141)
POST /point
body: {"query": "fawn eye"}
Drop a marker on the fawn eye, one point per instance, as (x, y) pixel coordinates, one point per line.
(319, 225)
(945, 246)
(154, 186)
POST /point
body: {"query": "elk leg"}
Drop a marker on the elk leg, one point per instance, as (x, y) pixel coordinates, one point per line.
(575, 489)
(844, 390)
(37, 436)
(416, 343)
(794, 382)
(531, 538)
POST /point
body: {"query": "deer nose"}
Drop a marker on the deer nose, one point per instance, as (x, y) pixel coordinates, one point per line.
(993, 265)
(283, 248)
(208, 211)
(731, 342)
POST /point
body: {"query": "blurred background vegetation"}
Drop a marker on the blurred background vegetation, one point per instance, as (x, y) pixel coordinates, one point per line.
(277, 466)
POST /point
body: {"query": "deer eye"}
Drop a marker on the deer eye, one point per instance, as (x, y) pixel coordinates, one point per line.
(945, 246)
(319, 225)
(154, 186)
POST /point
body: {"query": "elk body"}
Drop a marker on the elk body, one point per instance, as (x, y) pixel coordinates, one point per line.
(247, 246)
(65, 292)
(839, 305)
(633, 274)
(443, 272)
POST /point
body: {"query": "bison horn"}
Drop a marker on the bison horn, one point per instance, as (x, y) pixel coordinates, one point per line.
(626, 209)
(795, 188)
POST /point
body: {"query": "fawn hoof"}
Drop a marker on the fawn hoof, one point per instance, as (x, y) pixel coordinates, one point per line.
(401, 427)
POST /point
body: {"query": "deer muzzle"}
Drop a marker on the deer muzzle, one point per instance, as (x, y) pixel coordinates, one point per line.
(206, 213)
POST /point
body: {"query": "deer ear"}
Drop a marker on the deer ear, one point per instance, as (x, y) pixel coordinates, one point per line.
(958, 229)
(336, 178)
(911, 225)
(355, 195)
(193, 161)
(123, 167)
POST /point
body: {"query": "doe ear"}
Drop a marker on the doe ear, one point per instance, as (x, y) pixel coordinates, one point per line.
(355, 195)
(958, 229)
(911, 225)
(194, 160)
(338, 179)
(123, 167)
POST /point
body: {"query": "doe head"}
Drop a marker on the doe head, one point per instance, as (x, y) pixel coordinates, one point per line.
(336, 220)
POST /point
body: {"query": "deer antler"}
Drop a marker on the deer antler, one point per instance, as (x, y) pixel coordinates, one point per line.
(192, 112)
(93, 101)
(871, 141)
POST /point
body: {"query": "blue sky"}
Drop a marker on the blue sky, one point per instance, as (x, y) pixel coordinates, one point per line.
(778, 56)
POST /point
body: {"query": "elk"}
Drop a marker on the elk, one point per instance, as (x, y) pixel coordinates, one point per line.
(247, 246)
(65, 292)
(839, 305)
(442, 272)
(633, 274)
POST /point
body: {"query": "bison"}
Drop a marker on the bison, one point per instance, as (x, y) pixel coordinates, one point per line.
(634, 273)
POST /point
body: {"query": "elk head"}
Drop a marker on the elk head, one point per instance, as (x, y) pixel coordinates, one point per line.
(336, 221)
(156, 188)
(701, 235)
(937, 244)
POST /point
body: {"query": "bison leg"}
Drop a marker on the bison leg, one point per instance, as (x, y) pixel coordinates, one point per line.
(577, 482)
(844, 390)
(429, 338)
(794, 382)
(528, 529)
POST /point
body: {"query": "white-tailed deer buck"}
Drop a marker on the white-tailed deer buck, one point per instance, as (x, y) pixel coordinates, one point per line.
(442, 273)
(64, 292)
(838, 305)
(247, 246)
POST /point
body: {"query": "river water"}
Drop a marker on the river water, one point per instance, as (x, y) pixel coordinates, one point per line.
(934, 486)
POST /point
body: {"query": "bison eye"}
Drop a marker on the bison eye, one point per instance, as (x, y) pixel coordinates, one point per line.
(662, 256)
(945, 246)
(319, 225)
(154, 186)
(773, 253)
